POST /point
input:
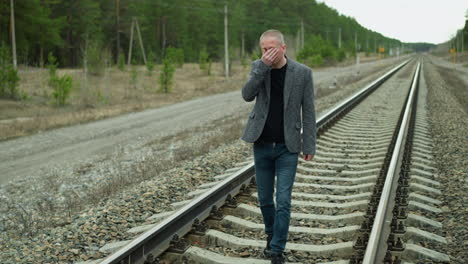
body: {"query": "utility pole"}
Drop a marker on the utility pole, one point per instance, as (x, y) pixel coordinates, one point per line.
(375, 44)
(463, 40)
(302, 33)
(135, 25)
(355, 41)
(339, 38)
(356, 48)
(367, 41)
(226, 49)
(457, 44)
(243, 45)
(463, 30)
(141, 40)
(13, 37)
(117, 14)
(163, 46)
(131, 44)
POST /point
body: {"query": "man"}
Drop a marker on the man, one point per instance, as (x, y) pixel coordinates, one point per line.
(281, 87)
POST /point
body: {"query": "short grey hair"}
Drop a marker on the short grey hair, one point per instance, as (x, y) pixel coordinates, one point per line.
(273, 33)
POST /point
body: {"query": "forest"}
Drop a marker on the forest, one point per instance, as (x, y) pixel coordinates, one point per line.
(71, 29)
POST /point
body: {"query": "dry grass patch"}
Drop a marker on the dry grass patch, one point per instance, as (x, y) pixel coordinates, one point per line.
(112, 94)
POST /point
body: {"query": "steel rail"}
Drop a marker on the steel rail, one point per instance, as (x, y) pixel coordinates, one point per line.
(330, 114)
(156, 240)
(376, 245)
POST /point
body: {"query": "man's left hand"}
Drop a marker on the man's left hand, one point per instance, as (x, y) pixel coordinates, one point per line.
(308, 157)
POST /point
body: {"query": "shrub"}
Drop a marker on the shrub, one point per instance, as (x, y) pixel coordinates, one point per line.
(208, 71)
(96, 58)
(121, 62)
(52, 65)
(315, 60)
(304, 54)
(312, 60)
(8, 75)
(62, 87)
(9, 82)
(176, 56)
(205, 62)
(328, 52)
(256, 54)
(150, 62)
(316, 51)
(167, 73)
(341, 55)
(24, 95)
(243, 62)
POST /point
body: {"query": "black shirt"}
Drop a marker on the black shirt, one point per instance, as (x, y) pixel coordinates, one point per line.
(274, 126)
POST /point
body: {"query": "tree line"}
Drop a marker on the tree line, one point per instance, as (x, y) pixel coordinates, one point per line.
(70, 28)
(459, 41)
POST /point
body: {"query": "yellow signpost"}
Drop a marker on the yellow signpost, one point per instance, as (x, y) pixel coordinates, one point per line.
(381, 50)
(454, 55)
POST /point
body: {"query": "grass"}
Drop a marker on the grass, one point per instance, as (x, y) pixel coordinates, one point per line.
(112, 94)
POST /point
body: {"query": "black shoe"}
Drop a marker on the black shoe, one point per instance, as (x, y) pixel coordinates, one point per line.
(267, 251)
(277, 259)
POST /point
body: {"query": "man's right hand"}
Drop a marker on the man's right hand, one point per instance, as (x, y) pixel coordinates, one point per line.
(308, 157)
(269, 57)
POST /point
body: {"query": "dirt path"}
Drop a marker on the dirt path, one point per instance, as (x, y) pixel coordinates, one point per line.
(23, 156)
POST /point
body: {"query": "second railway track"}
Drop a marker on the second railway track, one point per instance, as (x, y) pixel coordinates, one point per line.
(336, 197)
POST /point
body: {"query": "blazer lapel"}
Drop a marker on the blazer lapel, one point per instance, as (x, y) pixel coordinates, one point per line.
(288, 83)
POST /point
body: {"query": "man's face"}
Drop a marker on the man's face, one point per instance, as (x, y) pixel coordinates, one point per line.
(270, 42)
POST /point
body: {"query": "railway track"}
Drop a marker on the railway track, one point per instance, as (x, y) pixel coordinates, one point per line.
(346, 205)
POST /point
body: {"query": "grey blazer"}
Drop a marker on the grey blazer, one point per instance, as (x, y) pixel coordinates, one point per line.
(298, 94)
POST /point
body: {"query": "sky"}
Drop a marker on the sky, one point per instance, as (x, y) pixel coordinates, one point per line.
(432, 21)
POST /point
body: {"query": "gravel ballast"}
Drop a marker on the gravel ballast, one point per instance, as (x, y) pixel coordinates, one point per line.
(78, 217)
(449, 123)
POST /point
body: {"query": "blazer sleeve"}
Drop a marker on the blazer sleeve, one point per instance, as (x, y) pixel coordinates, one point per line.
(255, 82)
(308, 115)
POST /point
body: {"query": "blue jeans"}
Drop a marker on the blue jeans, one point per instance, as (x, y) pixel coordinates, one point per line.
(271, 159)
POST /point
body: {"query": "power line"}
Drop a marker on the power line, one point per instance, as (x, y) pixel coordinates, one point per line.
(251, 19)
(217, 10)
